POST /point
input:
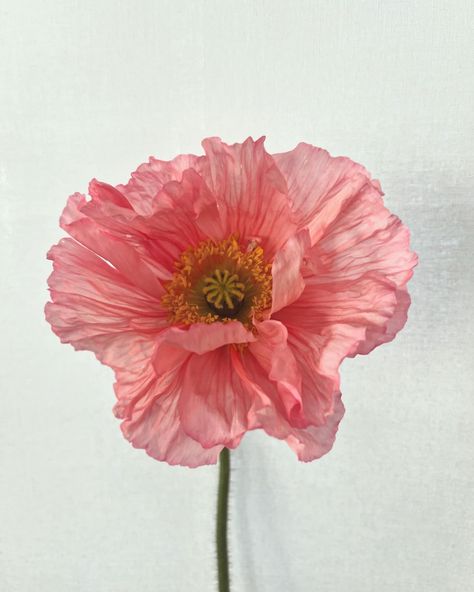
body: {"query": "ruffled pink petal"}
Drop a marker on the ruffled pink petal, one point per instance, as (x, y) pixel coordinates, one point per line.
(112, 211)
(288, 282)
(368, 301)
(368, 311)
(357, 272)
(113, 216)
(317, 436)
(217, 402)
(214, 407)
(319, 185)
(311, 441)
(160, 433)
(147, 402)
(284, 373)
(95, 308)
(150, 178)
(184, 215)
(378, 335)
(315, 441)
(276, 359)
(121, 254)
(201, 338)
(364, 238)
(250, 192)
(107, 195)
(319, 357)
(210, 406)
(148, 406)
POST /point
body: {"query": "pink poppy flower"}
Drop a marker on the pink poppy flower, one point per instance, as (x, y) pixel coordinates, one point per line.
(225, 290)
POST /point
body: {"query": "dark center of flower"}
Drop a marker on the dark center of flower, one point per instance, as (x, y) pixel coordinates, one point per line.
(219, 281)
(224, 292)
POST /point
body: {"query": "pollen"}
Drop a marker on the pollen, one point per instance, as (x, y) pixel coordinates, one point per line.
(219, 281)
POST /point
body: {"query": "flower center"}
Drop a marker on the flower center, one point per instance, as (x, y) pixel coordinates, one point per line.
(224, 292)
(219, 281)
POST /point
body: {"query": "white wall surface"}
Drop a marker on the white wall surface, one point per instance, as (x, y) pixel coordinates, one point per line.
(91, 89)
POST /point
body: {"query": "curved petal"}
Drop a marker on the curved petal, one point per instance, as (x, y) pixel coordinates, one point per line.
(268, 410)
(148, 406)
(275, 357)
(364, 238)
(105, 194)
(315, 441)
(287, 280)
(366, 302)
(150, 178)
(95, 308)
(378, 335)
(358, 271)
(309, 441)
(201, 338)
(214, 407)
(319, 185)
(184, 215)
(160, 433)
(121, 254)
(250, 192)
(294, 374)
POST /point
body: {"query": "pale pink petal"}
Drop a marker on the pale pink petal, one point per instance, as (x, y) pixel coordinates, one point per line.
(95, 308)
(276, 359)
(377, 335)
(148, 407)
(311, 441)
(147, 402)
(319, 357)
(214, 407)
(357, 272)
(315, 441)
(186, 349)
(364, 238)
(184, 215)
(250, 193)
(107, 195)
(368, 301)
(288, 282)
(203, 337)
(112, 211)
(160, 433)
(122, 255)
(150, 178)
(268, 410)
(319, 185)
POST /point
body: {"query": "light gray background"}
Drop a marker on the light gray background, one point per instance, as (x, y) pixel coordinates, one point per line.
(91, 89)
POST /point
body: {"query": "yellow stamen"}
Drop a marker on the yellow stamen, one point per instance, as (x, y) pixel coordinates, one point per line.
(219, 281)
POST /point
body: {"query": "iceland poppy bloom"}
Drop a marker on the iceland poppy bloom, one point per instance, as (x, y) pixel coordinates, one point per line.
(225, 290)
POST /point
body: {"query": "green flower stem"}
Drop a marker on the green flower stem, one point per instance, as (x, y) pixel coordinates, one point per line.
(221, 522)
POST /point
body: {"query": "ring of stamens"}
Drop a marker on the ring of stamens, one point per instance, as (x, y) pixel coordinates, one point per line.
(219, 281)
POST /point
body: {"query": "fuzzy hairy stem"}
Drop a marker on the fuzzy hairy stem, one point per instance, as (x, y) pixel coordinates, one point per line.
(221, 521)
